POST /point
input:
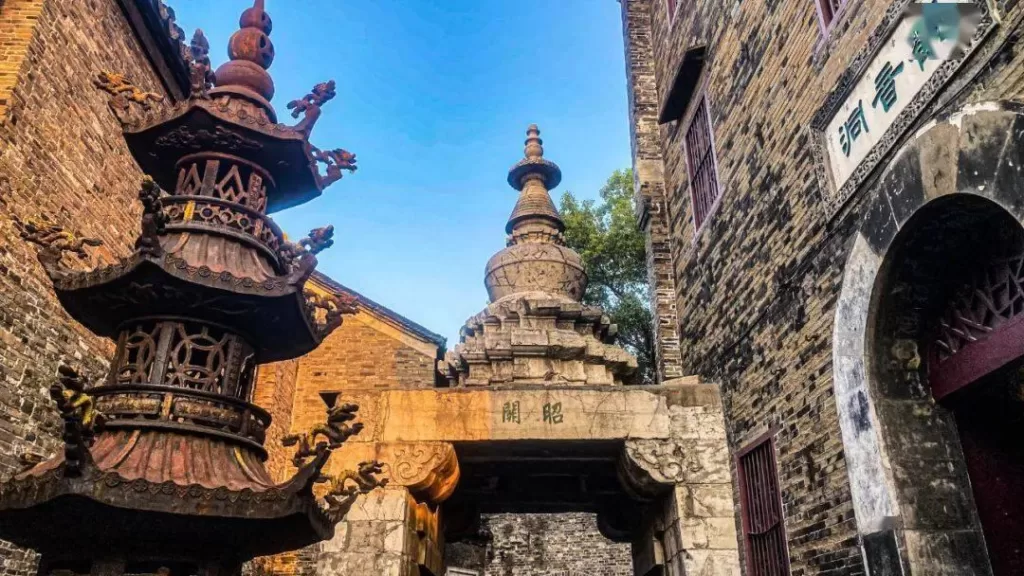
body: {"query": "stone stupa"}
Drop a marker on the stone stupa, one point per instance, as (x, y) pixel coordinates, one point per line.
(536, 331)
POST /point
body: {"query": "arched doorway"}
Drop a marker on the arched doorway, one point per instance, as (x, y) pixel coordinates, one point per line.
(948, 329)
(925, 350)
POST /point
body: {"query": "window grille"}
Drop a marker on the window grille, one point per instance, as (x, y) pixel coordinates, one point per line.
(701, 164)
(761, 506)
(827, 10)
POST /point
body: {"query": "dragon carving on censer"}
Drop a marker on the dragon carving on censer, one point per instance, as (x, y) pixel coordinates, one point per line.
(344, 488)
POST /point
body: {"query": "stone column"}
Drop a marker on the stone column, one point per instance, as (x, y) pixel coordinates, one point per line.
(689, 524)
(649, 184)
(397, 530)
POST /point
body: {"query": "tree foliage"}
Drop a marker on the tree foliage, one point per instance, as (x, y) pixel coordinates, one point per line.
(611, 245)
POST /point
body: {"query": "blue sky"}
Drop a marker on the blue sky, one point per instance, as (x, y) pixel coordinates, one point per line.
(434, 97)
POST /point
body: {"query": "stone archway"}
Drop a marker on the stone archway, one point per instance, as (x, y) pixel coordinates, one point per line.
(947, 204)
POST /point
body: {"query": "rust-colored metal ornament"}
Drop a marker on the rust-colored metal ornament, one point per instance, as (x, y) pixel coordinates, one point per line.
(163, 465)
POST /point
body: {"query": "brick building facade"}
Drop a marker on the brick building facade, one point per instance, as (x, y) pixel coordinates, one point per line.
(816, 289)
(62, 157)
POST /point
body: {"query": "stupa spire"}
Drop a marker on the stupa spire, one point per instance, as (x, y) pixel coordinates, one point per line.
(534, 176)
(536, 330)
(536, 258)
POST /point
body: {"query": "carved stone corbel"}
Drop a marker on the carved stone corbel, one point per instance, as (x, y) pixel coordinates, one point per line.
(429, 470)
(648, 469)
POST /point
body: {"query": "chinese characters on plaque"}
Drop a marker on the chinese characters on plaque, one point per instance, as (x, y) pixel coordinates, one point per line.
(913, 53)
(551, 413)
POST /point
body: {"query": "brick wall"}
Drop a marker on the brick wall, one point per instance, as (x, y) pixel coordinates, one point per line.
(62, 156)
(756, 289)
(17, 22)
(542, 545)
(367, 353)
(653, 215)
(274, 391)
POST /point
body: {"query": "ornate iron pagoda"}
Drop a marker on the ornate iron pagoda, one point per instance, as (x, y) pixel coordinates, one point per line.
(163, 461)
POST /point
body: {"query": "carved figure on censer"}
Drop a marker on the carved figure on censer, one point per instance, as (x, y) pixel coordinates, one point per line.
(69, 395)
(53, 242)
(344, 488)
(334, 306)
(350, 484)
(124, 94)
(163, 459)
(335, 431)
(309, 105)
(336, 161)
(154, 220)
(200, 70)
(300, 257)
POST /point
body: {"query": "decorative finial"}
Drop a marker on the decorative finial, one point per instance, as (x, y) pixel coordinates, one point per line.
(251, 53)
(534, 166)
(534, 145)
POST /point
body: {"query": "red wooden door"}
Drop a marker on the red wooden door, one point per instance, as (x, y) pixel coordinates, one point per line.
(991, 427)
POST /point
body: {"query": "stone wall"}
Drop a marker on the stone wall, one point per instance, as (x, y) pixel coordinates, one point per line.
(757, 287)
(61, 156)
(542, 545)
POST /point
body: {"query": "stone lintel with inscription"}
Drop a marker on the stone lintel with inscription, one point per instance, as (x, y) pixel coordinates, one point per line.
(534, 413)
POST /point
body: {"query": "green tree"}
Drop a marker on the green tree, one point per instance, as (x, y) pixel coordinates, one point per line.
(611, 245)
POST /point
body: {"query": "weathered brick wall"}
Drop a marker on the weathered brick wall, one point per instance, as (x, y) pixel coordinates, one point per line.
(756, 289)
(62, 156)
(274, 390)
(543, 545)
(17, 21)
(367, 353)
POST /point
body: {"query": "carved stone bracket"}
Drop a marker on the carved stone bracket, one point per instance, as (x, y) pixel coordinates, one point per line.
(430, 470)
(649, 468)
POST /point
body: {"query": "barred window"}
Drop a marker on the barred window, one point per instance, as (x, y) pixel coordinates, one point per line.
(827, 10)
(761, 506)
(701, 165)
